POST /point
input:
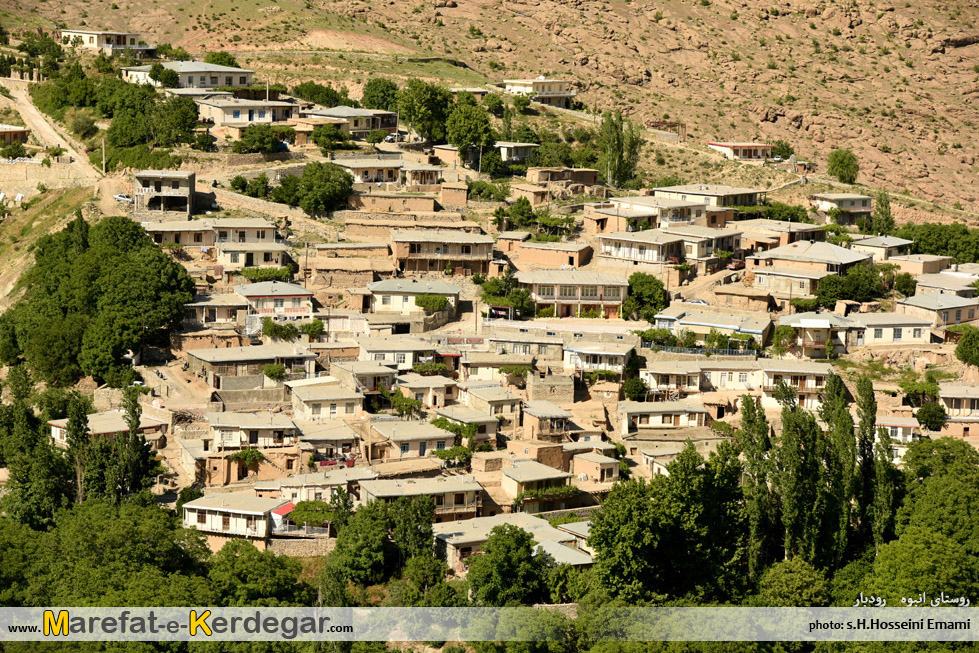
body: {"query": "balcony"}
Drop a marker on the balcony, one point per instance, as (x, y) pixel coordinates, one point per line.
(562, 93)
(813, 344)
(283, 310)
(801, 388)
(449, 256)
(166, 192)
(457, 508)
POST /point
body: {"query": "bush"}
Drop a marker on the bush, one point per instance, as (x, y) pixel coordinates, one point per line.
(635, 389)
(905, 284)
(521, 103)
(967, 350)
(276, 331)
(239, 183)
(376, 136)
(274, 371)
(258, 138)
(432, 303)
(932, 416)
(83, 125)
(15, 150)
(266, 274)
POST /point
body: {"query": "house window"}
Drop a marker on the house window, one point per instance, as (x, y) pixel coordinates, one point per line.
(916, 333)
(898, 333)
(225, 522)
(349, 408)
(440, 445)
(242, 80)
(460, 499)
(261, 114)
(878, 334)
(743, 377)
(316, 408)
(203, 79)
(545, 291)
(385, 300)
(201, 518)
(278, 303)
(234, 257)
(761, 280)
(589, 291)
(405, 447)
(467, 249)
(541, 349)
(400, 359)
(378, 357)
(214, 79)
(958, 316)
(612, 292)
(222, 235)
(260, 234)
(419, 396)
(198, 238)
(268, 258)
(229, 80)
(236, 114)
(568, 291)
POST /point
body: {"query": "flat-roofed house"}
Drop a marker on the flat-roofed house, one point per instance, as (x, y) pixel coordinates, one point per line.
(552, 255)
(638, 415)
(394, 439)
(315, 403)
(486, 425)
(13, 134)
(109, 43)
(940, 309)
(593, 356)
(702, 244)
(543, 420)
(361, 122)
(570, 292)
(420, 174)
(400, 352)
(891, 329)
(164, 191)
(807, 378)
(512, 152)
(760, 234)
(662, 211)
(436, 250)
(455, 497)
(903, 430)
(702, 320)
(653, 246)
(711, 194)
(670, 379)
(535, 485)
(881, 248)
(944, 283)
(277, 299)
(366, 377)
(494, 400)
(242, 230)
(595, 467)
(457, 542)
(552, 92)
(222, 308)
(851, 204)
(372, 169)
(235, 256)
(915, 264)
(316, 486)
(751, 152)
(227, 516)
(818, 256)
(212, 364)
(111, 423)
(192, 74)
(400, 295)
(328, 440)
(585, 176)
(233, 431)
(186, 233)
(961, 402)
(433, 391)
(239, 112)
(818, 335)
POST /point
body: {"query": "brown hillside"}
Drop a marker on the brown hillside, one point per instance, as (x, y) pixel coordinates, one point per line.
(896, 82)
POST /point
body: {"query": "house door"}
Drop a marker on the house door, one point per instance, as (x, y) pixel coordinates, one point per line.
(422, 448)
(249, 260)
(676, 420)
(859, 338)
(253, 437)
(251, 115)
(570, 260)
(211, 315)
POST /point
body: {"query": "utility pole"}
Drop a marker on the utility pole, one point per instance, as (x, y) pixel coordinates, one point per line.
(103, 155)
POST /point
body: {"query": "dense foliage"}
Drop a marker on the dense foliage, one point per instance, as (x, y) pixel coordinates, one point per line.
(94, 295)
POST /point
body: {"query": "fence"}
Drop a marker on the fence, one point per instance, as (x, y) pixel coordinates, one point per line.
(291, 529)
(703, 351)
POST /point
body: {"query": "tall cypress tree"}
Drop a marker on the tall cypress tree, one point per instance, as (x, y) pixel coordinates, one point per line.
(761, 503)
(888, 488)
(837, 450)
(864, 482)
(798, 482)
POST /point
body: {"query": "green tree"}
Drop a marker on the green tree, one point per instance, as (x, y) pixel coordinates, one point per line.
(341, 508)
(380, 93)
(326, 96)
(77, 439)
(922, 560)
(782, 148)
(329, 137)
(258, 138)
(647, 297)
(887, 491)
(882, 221)
(243, 576)
(635, 389)
(761, 502)
(905, 284)
(493, 103)
(425, 106)
(187, 495)
(324, 187)
(376, 136)
(507, 572)
(932, 416)
(866, 435)
(927, 458)
(362, 545)
(945, 504)
(169, 78)
(468, 127)
(411, 527)
(843, 165)
(221, 59)
(15, 150)
(83, 125)
(793, 583)
(521, 103)
(619, 144)
(311, 513)
(432, 303)
(967, 349)
(799, 482)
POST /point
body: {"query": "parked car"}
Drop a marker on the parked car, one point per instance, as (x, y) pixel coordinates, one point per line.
(391, 138)
(736, 265)
(123, 198)
(696, 301)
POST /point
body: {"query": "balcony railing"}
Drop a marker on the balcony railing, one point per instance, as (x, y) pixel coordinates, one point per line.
(801, 388)
(284, 310)
(169, 192)
(450, 255)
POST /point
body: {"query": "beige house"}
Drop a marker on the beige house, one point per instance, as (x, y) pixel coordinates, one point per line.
(494, 400)
(760, 234)
(512, 152)
(233, 515)
(808, 379)
(939, 309)
(750, 152)
(400, 352)
(882, 248)
(433, 391)
(670, 379)
(486, 425)
(360, 122)
(396, 439)
(915, 264)
(108, 42)
(212, 364)
(232, 431)
(222, 111)
(222, 308)
(711, 194)
(164, 191)
(595, 467)
(552, 92)
(316, 486)
(457, 542)
(372, 169)
(316, 403)
(701, 320)
(366, 377)
(543, 420)
(701, 244)
(532, 483)
(945, 283)
(455, 497)
(661, 211)
(277, 299)
(399, 295)
(638, 415)
(186, 233)
(13, 134)
(652, 246)
(818, 335)
(193, 74)
(571, 292)
(593, 356)
(902, 431)
(111, 423)
(235, 256)
(438, 250)
(891, 329)
(961, 402)
(243, 230)
(852, 204)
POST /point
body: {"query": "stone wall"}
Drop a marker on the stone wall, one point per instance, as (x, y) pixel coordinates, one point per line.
(391, 203)
(255, 157)
(556, 388)
(302, 547)
(249, 382)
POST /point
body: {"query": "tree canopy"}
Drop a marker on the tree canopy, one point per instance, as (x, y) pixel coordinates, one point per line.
(843, 165)
(380, 93)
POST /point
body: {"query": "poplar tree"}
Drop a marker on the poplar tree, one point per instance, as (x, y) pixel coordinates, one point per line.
(864, 481)
(761, 503)
(798, 482)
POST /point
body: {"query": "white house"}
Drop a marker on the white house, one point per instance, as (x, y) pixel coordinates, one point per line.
(250, 430)
(277, 299)
(752, 152)
(399, 295)
(193, 74)
(236, 514)
(552, 92)
(597, 356)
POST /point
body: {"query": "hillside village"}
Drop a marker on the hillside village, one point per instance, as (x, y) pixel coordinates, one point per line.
(471, 295)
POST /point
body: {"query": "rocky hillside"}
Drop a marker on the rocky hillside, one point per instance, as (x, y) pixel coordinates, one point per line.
(896, 82)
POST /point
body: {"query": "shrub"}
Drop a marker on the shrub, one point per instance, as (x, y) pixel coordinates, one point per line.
(967, 350)
(313, 328)
(432, 303)
(13, 151)
(239, 183)
(376, 136)
(932, 416)
(276, 331)
(635, 389)
(83, 125)
(274, 371)
(247, 457)
(266, 274)
(905, 284)
(843, 165)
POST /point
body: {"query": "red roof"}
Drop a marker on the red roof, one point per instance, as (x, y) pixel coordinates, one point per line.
(284, 510)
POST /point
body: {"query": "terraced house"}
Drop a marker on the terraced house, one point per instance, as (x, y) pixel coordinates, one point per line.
(573, 292)
(438, 250)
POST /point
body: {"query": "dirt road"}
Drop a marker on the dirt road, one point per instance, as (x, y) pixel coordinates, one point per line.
(47, 135)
